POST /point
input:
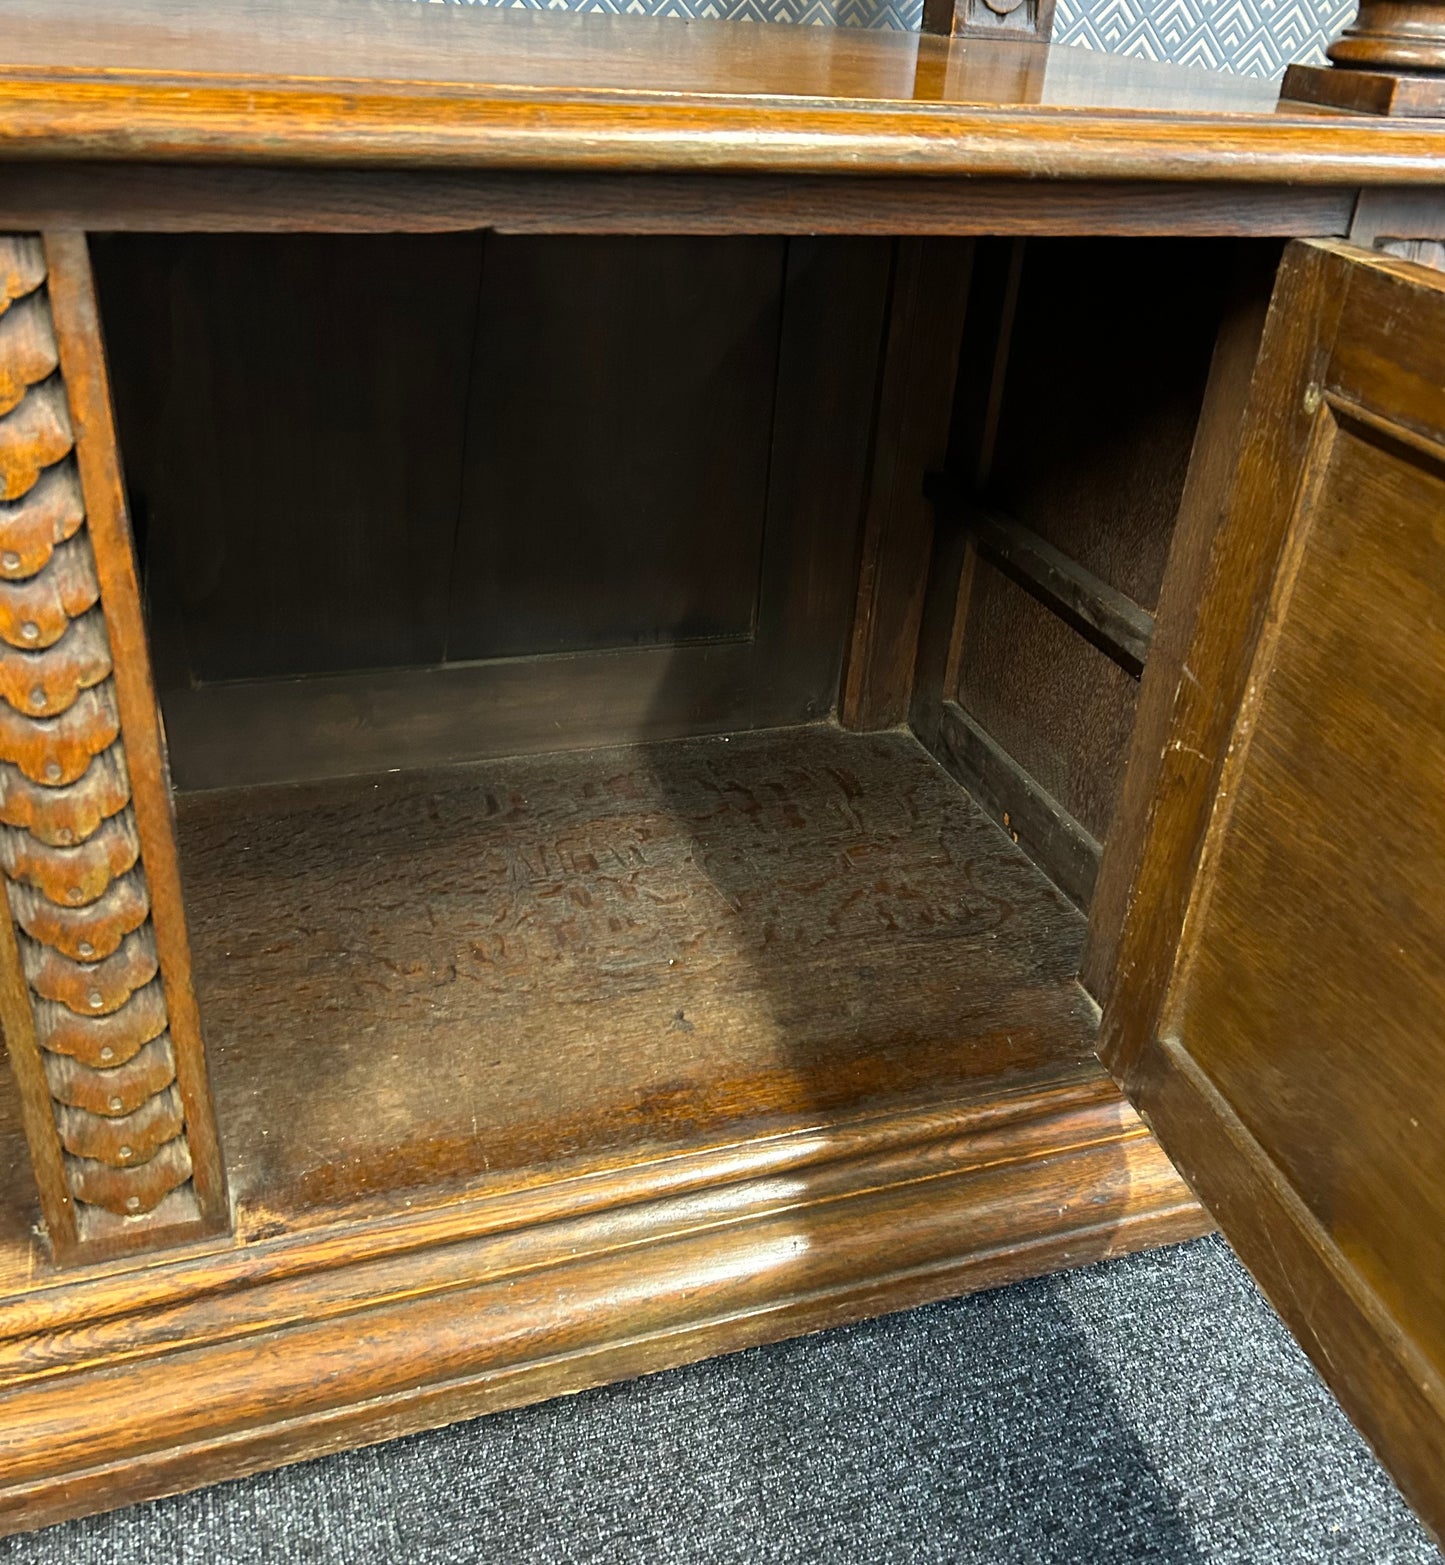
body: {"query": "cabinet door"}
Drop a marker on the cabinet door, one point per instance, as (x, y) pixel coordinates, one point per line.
(1279, 1011)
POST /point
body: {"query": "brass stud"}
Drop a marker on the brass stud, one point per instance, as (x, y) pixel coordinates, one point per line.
(10, 560)
(96, 998)
(29, 631)
(86, 949)
(107, 1053)
(53, 771)
(116, 1105)
(125, 1152)
(75, 893)
(38, 697)
(132, 1203)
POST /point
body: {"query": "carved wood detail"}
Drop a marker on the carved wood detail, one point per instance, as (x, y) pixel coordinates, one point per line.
(87, 1016)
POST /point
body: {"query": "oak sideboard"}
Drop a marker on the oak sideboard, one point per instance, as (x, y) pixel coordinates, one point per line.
(664, 684)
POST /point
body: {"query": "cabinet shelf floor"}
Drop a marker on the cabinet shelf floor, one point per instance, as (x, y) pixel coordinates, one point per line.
(476, 974)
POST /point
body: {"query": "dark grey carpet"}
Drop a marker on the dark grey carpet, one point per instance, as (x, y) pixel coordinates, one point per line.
(1152, 1410)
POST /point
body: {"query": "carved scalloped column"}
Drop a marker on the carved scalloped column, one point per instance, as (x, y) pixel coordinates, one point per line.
(95, 996)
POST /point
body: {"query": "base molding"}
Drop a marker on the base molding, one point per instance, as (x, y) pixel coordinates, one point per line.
(1364, 91)
(140, 1383)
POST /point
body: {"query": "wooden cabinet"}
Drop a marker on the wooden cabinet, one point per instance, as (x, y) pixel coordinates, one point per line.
(647, 708)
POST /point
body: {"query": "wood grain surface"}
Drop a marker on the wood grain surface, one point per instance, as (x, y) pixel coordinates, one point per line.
(1276, 1013)
(367, 41)
(177, 198)
(1100, 405)
(367, 84)
(1364, 92)
(1052, 700)
(1103, 615)
(293, 416)
(1212, 463)
(1032, 817)
(1054, 517)
(602, 951)
(287, 1347)
(619, 433)
(656, 471)
(910, 437)
(542, 1073)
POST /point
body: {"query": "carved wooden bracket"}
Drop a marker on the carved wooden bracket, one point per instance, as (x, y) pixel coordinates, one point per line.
(1023, 21)
(100, 1022)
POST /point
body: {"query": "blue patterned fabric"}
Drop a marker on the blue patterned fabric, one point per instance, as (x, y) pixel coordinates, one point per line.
(1251, 37)
(900, 15)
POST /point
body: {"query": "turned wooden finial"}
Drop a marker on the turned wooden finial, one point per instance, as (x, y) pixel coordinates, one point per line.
(1393, 35)
(1389, 60)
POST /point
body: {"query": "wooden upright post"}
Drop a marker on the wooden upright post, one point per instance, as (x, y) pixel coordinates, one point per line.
(1389, 60)
(99, 1018)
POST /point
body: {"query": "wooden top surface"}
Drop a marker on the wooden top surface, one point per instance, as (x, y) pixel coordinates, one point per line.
(389, 82)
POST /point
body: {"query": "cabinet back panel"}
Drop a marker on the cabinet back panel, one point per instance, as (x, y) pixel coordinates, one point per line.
(292, 418)
(617, 455)
(389, 452)
(420, 499)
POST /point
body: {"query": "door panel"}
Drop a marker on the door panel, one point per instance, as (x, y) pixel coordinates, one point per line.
(1279, 1015)
(1334, 828)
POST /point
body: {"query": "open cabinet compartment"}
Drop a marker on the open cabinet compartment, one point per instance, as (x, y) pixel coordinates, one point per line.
(503, 594)
(625, 825)
(448, 499)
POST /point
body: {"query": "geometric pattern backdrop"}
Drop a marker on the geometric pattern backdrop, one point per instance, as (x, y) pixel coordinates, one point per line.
(900, 15)
(1252, 37)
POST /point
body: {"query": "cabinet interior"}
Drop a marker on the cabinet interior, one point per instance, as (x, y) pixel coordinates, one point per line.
(505, 595)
